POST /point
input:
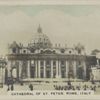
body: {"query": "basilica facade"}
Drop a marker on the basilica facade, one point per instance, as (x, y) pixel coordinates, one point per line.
(41, 60)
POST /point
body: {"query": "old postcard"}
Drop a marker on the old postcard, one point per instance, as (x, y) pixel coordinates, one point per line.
(49, 51)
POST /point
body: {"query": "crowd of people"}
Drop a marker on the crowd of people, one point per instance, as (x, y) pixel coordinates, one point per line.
(69, 86)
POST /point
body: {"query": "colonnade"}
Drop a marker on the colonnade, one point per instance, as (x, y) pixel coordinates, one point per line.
(37, 68)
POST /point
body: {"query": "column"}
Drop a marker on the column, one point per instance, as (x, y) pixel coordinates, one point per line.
(74, 67)
(36, 72)
(9, 69)
(12, 64)
(84, 68)
(28, 68)
(67, 69)
(39, 70)
(3, 75)
(57, 69)
(44, 69)
(32, 72)
(20, 69)
(17, 69)
(98, 62)
(51, 68)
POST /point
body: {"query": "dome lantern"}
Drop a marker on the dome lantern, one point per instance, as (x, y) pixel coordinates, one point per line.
(39, 30)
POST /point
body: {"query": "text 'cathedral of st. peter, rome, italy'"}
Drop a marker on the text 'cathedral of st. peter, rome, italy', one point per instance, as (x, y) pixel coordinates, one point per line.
(41, 61)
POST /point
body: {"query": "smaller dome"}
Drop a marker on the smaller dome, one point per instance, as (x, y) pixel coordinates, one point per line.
(40, 40)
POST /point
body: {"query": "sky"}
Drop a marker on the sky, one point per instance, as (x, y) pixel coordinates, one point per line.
(64, 24)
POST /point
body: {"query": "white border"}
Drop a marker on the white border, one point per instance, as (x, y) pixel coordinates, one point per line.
(50, 2)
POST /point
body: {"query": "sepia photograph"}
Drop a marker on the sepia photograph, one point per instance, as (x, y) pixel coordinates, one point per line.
(49, 50)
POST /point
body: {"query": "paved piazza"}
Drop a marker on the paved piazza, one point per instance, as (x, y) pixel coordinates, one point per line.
(50, 86)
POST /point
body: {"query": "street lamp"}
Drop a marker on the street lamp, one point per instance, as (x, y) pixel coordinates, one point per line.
(2, 66)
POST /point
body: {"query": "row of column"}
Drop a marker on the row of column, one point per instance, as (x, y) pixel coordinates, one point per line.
(58, 69)
(37, 66)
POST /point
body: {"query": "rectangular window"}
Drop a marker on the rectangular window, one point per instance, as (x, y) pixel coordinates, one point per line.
(41, 63)
(79, 62)
(62, 62)
(54, 63)
(48, 62)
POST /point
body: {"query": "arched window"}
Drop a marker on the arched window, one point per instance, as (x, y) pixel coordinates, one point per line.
(24, 51)
(41, 63)
(62, 62)
(41, 51)
(32, 50)
(62, 50)
(48, 62)
(54, 63)
(14, 50)
(79, 62)
(79, 51)
(54, 51)
(70, 52)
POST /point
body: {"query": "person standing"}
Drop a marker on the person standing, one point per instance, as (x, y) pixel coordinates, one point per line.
(31, 87)
(12, 87)
(8, 87)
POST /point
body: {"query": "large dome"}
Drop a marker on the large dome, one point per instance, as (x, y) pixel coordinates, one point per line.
(40, 40)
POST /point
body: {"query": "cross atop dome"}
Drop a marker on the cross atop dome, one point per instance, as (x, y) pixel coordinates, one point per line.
(39, 30)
